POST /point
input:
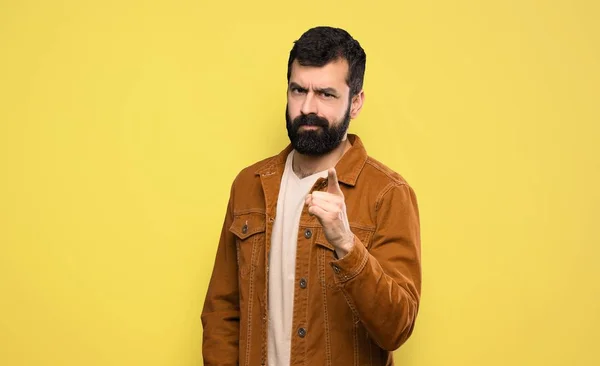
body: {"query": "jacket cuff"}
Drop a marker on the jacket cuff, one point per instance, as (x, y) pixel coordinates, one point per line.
(351, 264)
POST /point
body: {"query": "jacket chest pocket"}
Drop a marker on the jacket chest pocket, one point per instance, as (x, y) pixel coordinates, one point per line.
(249, 230)
(327, 255)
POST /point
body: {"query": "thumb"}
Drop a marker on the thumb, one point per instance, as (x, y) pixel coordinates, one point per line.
(333, 185)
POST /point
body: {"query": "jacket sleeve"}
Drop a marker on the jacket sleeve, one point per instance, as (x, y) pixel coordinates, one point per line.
(382, 284)
(221, 313)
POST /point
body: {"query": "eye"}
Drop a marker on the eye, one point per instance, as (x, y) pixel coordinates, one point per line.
(325, 95)
(297, 90)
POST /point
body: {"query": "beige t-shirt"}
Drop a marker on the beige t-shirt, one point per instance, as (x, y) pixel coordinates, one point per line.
(282, 261)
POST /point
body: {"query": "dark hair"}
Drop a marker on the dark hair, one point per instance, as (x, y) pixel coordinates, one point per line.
(321, 45)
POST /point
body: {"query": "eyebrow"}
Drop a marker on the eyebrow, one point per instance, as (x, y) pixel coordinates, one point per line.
(297, 86)
(331, 91)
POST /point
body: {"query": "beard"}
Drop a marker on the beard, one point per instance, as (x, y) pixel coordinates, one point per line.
(316, 142)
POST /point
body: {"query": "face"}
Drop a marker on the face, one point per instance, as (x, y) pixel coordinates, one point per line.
(319, 107)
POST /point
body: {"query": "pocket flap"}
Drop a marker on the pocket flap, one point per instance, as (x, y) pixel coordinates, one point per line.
(247, 224)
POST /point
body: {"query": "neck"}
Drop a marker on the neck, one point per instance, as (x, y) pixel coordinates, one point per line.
(305, 165)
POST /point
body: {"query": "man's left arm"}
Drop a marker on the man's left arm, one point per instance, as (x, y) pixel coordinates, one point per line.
(383, 284)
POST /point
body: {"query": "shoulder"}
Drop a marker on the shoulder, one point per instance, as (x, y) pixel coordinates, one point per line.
(251, 171)
(385, 184)
(374, 169)
(250, 175)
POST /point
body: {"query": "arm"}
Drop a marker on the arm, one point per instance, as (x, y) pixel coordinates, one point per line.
(383, 284)
(221, 315)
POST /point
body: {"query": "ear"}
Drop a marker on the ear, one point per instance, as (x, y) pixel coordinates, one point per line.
(357, 104)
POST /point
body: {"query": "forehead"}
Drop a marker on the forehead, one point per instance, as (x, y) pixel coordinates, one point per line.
(332, 74)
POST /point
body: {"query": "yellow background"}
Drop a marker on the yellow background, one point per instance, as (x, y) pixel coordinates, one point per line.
(123, 123)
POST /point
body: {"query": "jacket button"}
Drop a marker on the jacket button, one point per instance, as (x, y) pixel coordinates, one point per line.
(303, 283)
(244, 229)
(336, 269)
(307, 234)
(301, 332)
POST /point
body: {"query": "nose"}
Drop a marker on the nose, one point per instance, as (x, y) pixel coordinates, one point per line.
(309, 104)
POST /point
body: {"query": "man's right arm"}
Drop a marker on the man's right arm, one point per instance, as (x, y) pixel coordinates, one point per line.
(221, 313)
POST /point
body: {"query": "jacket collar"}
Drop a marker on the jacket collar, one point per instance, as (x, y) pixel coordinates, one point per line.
(348, 167)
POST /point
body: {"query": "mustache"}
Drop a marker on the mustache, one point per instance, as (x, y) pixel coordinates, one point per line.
(310, 120)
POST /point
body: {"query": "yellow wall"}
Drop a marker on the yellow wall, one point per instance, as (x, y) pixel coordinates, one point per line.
(110, 204)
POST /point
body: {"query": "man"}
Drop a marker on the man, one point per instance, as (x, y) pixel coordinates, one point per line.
(319, 257)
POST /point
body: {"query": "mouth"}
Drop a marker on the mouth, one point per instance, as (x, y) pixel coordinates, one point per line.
(309, 128)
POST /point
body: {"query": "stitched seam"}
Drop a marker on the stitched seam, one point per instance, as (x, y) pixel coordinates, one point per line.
(269, 163)
(359, 168)
(379, 198)
(360, 267)
(265, 332)
(381, 169)
(295, 348)
(355, 320)
(247, 211)
(237, 252)
(368, 239)
(326, 314)
(349, 302)
(250, 301)
(304, 298)
(268, 233)
(265, 311)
